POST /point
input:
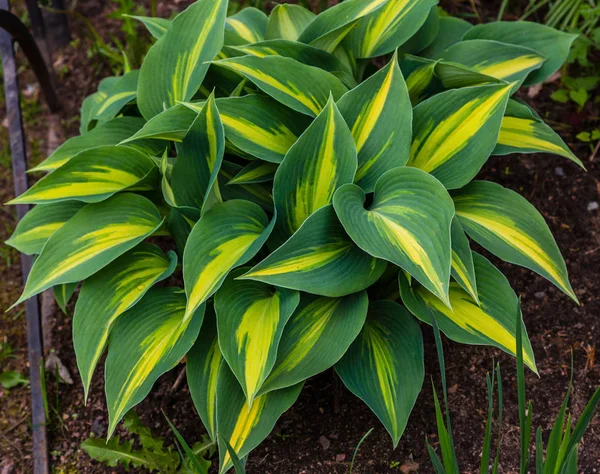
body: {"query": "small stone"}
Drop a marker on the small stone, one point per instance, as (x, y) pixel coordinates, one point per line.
(409, 467)
(98, 427)
(558, 171)
(540, 295)
(340, 458)
(592, 206)
(324, 442)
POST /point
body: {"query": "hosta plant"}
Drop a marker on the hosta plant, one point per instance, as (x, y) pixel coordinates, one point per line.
(269, 197)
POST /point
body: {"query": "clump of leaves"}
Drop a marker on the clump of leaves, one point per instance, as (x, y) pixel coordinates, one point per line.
(320, 207)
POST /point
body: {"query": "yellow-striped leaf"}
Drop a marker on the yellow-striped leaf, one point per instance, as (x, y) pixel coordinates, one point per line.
(463, 271)
(172, 124)
(255, 172)
(379, 115)
(250, 319)
(323, 159)
(120, 94)
(523, 131)
(39, 224)
(500, 60)
(419, 74)
(303, 88)
(156, 26)
(455, 132)
(92, 176)
(258, 193)
(511, 228)
(176, 64)
(316, 337)
(249, 25)
(106, 295)
(242, 426)
(320, 259)
(147, 341)
(202, 368)
(387, 28)
(288, 21)
(407, 224)
(491, 322)
(227, 236)
(384, 365)
(94, 237)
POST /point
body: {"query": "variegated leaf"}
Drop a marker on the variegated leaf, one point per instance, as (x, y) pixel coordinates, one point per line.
(384, 365)
(258, 193)
(250, 319)
(463, 271)
(320, 259)
(323, 159)
(316, 337)
(147, 341)
(172, 124)
(407, 224)
(63, 294)
(379, 115)
(424, 36)
(249, 25)
(176, 64)
(255, 172)
(420, 77)
(94, 237)
(156, 26)
(288, 21)
(490, 322)
(93, 176)
(122, 92)
(507, 225)
(455, 132)
(40, 223)
(107, 294)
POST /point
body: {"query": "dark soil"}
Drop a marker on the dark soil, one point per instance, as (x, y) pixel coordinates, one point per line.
(558, 188)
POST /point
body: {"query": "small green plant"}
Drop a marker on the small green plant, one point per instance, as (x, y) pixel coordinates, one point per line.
(306, 194)
(11, 379)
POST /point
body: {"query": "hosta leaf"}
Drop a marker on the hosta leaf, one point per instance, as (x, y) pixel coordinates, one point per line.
(454, 75)
(255, 172)
(420, 77)
(109, 133)
(384, 365)
(463, 271)
(383, 30)
(425, 35)
(322, 159)
(63, 294)
(454, 132)
(317, 335)
(202, 368)
(329, 28)
(92, 176)
(500, 60)
(450, 30)
(123, 91)
(523, 131)
(94, 237)
(407, 224)
(247, 26)
(288, 22)
(303, 88)
(250, 319)
(156, 26)
(172, 124)
(259, 193)
(242, 426)
(199, 157)
(491, 322)
(176, 64)
(320, 259)
(550, 43)
(108, 294)
(39, 224)
(147, 341)
(379, 115)
(227, 236)
(512, 229)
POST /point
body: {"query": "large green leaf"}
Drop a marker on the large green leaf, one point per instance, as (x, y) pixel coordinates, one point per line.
(317, 335)
(320, 259)
(108, 294)
(120, 94)
(288, 21)
(507, 225)
(407, 224)
(550, 43)
(40, 223)
(172, 124)
(383, 30)
(303, 88)
(250, 319)
(256, 171)
(491, 322)
(379, 115)
(455, 132)
(156, 26)
(92, 176)
(227, 236)
(242, 426)
(249, 25)
(176, 64)
(384, 365)
(147, 341)
(323, 159)
(202, 368)
(463, 271)
(94, 237)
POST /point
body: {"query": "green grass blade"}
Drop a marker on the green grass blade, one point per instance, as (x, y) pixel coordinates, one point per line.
(539, 451)
(487, 440)
(235, 460)
(198, 468)
(524, 418)
(435, 460)
(358, 447)
(499, 441)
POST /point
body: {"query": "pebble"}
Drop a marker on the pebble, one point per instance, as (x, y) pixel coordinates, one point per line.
(324, 442)
(592, 206)
(540, 295)
(558, 171)
(340, 458)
